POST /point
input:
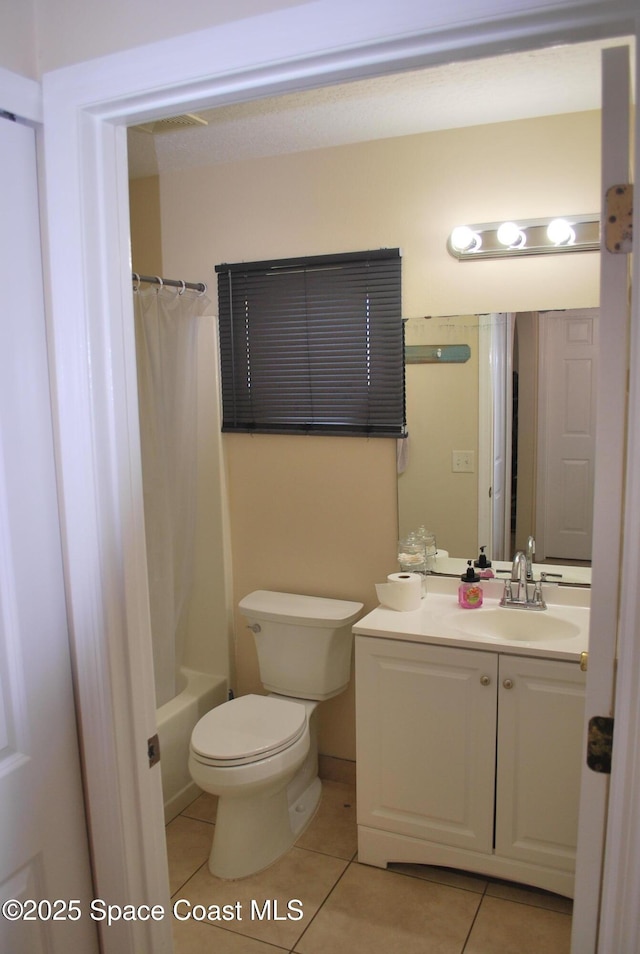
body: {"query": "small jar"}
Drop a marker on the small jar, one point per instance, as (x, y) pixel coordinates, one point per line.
(470, 590)
(411, 555)
(428, 539)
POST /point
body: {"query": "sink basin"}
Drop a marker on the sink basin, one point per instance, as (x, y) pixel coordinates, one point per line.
(515, 624)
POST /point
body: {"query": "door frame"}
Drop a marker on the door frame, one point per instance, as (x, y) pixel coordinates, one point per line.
(86, 109)
(612, 688)
(495, 423)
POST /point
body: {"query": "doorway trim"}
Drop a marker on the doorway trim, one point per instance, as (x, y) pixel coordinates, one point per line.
(86, 109)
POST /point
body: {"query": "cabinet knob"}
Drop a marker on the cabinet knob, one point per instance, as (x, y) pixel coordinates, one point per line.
(485, 680)
(508, 683)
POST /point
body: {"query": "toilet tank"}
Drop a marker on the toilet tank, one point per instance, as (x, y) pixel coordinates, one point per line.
(304, 642)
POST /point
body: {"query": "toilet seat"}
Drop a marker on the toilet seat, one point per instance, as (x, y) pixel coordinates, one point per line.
(246, 730)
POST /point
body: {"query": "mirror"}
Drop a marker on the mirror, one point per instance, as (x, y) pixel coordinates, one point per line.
(500, 419)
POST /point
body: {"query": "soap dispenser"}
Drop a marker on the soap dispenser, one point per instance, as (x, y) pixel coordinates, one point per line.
(470, 590)
(483, 566)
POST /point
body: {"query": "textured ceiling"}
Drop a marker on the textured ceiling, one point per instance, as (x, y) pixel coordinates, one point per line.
(556, 80)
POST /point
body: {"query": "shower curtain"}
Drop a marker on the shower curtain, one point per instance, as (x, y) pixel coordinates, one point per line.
(166, 330)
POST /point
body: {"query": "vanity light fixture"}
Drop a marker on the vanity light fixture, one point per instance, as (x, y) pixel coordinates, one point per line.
(464, 239)
(571, 233)
(560, 232)
(511, 235)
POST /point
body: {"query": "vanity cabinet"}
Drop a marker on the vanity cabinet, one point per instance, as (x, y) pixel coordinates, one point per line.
(468, 758)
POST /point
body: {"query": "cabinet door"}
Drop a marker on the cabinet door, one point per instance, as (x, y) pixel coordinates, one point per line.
(540, 716)
(426, 720)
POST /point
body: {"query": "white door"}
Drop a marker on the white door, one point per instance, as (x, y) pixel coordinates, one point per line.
(44, 853)
(567, 389)
(607, 520)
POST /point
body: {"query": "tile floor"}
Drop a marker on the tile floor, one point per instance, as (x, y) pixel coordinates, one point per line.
(349, 907)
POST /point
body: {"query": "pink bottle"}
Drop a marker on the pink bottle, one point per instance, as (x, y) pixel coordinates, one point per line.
(470, 591)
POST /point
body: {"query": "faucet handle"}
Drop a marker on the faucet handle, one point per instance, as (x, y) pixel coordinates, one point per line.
(538, 599)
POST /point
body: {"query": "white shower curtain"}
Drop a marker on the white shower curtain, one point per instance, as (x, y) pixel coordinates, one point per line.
(166, 326)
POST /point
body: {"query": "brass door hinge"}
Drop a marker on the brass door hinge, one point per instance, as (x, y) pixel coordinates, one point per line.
(618, 228)
(600, 744)
(153, 750)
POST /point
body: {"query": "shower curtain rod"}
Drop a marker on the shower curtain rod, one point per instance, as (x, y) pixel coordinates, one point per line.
(173, 282)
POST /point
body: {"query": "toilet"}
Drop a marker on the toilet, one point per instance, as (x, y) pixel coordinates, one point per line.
(259, 753)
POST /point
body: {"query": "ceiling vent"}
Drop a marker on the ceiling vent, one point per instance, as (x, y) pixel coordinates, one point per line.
(172, 124)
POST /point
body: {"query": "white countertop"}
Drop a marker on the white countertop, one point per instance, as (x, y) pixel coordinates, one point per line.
(440, 620)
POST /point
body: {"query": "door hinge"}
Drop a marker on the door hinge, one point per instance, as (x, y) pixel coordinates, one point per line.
(153, 750)
(600, 744)
(618, 228)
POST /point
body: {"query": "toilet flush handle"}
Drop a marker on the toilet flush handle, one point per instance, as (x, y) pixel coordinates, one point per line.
(254, 627)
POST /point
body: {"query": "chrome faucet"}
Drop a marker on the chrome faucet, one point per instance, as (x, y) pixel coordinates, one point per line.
(531, 549)
(522, 591)
(520, 571)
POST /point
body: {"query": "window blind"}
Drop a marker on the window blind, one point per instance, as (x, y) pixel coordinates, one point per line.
(313, 345)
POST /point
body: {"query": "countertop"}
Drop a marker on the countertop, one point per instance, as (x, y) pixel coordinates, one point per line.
(441, 621)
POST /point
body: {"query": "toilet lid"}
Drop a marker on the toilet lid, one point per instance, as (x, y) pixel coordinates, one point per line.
(248, 728)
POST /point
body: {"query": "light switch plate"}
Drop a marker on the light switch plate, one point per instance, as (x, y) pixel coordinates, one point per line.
(463, 462)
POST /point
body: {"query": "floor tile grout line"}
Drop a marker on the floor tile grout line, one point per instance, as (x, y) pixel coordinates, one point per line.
(435, 880)
(232, 933)
(188, 879)
(475, 918)
(324, 901)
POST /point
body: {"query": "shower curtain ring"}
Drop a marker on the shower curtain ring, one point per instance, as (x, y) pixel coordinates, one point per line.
(160, 283)
(136, 279)
(184, 287)
(203, 291)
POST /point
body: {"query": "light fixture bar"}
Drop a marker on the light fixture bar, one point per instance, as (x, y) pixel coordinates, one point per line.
(510, 239)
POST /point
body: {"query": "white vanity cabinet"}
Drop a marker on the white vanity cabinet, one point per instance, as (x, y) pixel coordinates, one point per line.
(468, 758)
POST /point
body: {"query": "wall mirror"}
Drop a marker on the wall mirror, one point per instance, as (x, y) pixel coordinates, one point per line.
(501, 441)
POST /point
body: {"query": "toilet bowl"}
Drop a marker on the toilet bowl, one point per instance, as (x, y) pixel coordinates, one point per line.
(259, 754)
(247, 751)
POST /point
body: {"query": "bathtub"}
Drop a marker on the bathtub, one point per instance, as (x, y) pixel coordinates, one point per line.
(175, 720)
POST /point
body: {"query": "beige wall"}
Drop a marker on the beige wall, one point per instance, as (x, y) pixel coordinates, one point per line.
(318, 514)
(146, 230)
(442, 416)
(311, 515)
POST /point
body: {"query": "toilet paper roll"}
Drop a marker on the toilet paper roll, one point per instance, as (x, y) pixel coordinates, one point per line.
(402, 591)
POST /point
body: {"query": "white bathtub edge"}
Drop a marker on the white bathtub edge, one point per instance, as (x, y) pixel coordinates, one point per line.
(175, 721)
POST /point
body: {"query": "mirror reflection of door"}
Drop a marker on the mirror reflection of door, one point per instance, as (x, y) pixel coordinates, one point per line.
(550, 432)
(534, 420)
(566, 433)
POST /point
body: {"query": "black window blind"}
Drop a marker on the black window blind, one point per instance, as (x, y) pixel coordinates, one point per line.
(313, 345)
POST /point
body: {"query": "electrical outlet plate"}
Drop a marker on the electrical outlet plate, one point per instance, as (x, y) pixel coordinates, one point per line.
(463, 462)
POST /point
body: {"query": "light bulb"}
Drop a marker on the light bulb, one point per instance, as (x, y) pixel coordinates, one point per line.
(560, 232)
(464, 239)
(511, 236)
